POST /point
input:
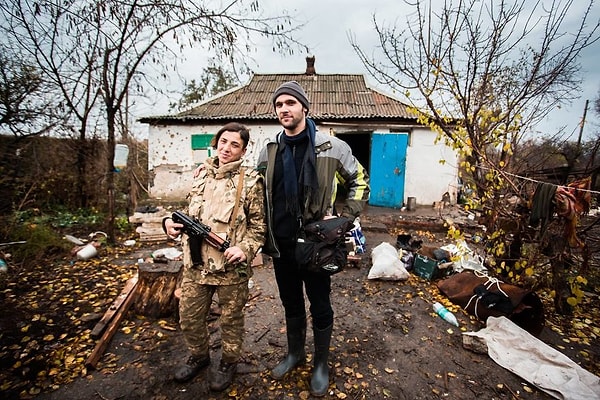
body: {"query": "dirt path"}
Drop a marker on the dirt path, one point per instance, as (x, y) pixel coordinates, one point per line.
(387, 343)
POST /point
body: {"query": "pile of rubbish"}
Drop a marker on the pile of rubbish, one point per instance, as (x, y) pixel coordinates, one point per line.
(86, 249)
(391, 262)
(514, 316)
(461, 275)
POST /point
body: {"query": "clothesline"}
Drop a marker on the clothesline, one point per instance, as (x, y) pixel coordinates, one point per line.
(537, 181)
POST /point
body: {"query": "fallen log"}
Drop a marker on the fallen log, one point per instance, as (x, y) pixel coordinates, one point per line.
(113, 325)
(114, 307)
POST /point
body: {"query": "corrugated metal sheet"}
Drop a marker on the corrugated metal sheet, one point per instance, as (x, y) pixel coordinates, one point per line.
(332, 97)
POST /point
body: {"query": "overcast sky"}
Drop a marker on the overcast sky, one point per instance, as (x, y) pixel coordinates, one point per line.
(328, 23)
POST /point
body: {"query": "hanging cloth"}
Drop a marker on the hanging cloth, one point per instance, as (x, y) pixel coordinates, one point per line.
(542, 207)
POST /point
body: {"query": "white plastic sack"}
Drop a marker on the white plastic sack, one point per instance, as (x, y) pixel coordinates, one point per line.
(545, 367)
(386, 264)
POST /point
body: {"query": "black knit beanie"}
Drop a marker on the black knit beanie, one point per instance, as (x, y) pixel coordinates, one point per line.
(294, 89)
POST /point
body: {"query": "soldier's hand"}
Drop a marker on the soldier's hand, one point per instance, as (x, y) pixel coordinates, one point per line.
(234, 255)
(173, 229)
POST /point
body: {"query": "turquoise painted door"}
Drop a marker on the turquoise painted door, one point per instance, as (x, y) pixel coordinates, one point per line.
(388, 165)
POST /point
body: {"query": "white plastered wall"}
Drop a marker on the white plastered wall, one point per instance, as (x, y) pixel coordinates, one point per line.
(427, 179)
(171, 160)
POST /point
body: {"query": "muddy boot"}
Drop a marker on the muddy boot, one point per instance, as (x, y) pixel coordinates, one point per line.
(296, 335)
(190, 369)
(222, 378)
(319, 382)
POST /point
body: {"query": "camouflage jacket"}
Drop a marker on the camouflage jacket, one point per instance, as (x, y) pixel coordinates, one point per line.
(211, 200)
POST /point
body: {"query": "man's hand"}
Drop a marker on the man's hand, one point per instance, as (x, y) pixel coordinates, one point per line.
(198, 170)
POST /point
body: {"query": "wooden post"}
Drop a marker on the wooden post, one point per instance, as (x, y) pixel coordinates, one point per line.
(156, 288)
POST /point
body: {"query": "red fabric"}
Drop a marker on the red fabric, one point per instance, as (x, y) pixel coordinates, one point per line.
(572, 201)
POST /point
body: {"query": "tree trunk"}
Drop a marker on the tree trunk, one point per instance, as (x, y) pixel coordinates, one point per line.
(132, 184)
(559, 278)
(156, 289)
(110, 175)
(81, 171)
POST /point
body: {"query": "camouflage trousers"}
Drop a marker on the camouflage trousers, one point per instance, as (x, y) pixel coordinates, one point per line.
(193, 312)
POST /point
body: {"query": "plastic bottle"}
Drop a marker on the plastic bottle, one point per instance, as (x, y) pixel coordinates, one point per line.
(444, 313)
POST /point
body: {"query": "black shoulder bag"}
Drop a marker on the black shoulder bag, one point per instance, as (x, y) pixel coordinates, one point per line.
(321, 245)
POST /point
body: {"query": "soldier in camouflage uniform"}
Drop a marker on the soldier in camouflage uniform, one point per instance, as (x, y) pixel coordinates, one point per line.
(212, 202)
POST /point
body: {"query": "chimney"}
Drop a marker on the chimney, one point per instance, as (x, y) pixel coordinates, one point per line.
(310, 65)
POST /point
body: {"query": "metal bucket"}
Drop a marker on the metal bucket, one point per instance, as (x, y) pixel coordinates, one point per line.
(411, 204)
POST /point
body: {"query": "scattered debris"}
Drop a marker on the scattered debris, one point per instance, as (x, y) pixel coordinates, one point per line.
(150, 224)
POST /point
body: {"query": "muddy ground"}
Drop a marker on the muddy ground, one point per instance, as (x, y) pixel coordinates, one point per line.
(387, 343)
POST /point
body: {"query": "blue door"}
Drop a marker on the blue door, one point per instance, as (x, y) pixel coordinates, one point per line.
(388, 164)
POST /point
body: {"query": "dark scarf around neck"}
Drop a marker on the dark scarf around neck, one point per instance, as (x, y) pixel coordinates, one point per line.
(307, 178)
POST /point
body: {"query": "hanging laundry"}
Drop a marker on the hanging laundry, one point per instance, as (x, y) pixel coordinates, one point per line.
(542, 206)
(572, 201)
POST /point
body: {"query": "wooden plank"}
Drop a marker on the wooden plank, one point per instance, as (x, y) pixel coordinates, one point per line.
(114, 307)
(92, 360)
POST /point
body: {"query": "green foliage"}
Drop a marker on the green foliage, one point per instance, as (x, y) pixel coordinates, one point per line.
(122, 224)
(43, 232)
(61, 218)
(42, 242)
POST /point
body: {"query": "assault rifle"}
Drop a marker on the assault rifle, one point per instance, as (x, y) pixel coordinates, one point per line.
(197, 231)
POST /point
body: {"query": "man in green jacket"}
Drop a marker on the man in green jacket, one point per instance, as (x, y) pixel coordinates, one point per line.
(302, 168)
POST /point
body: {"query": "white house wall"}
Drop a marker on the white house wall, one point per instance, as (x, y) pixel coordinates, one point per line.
(171, 160)
(426, 178)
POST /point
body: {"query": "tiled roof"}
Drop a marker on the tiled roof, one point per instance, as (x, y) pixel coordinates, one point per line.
(333, 97)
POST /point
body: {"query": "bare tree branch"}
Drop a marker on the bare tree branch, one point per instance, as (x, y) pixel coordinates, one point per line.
(107, 48)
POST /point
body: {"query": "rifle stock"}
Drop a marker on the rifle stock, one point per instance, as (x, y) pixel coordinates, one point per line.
(196, 229)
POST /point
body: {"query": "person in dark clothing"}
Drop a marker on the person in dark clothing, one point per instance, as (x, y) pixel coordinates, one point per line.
(302, 168)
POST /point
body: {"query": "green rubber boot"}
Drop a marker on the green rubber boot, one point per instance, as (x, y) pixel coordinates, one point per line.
(296, 336)
(319, 382)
